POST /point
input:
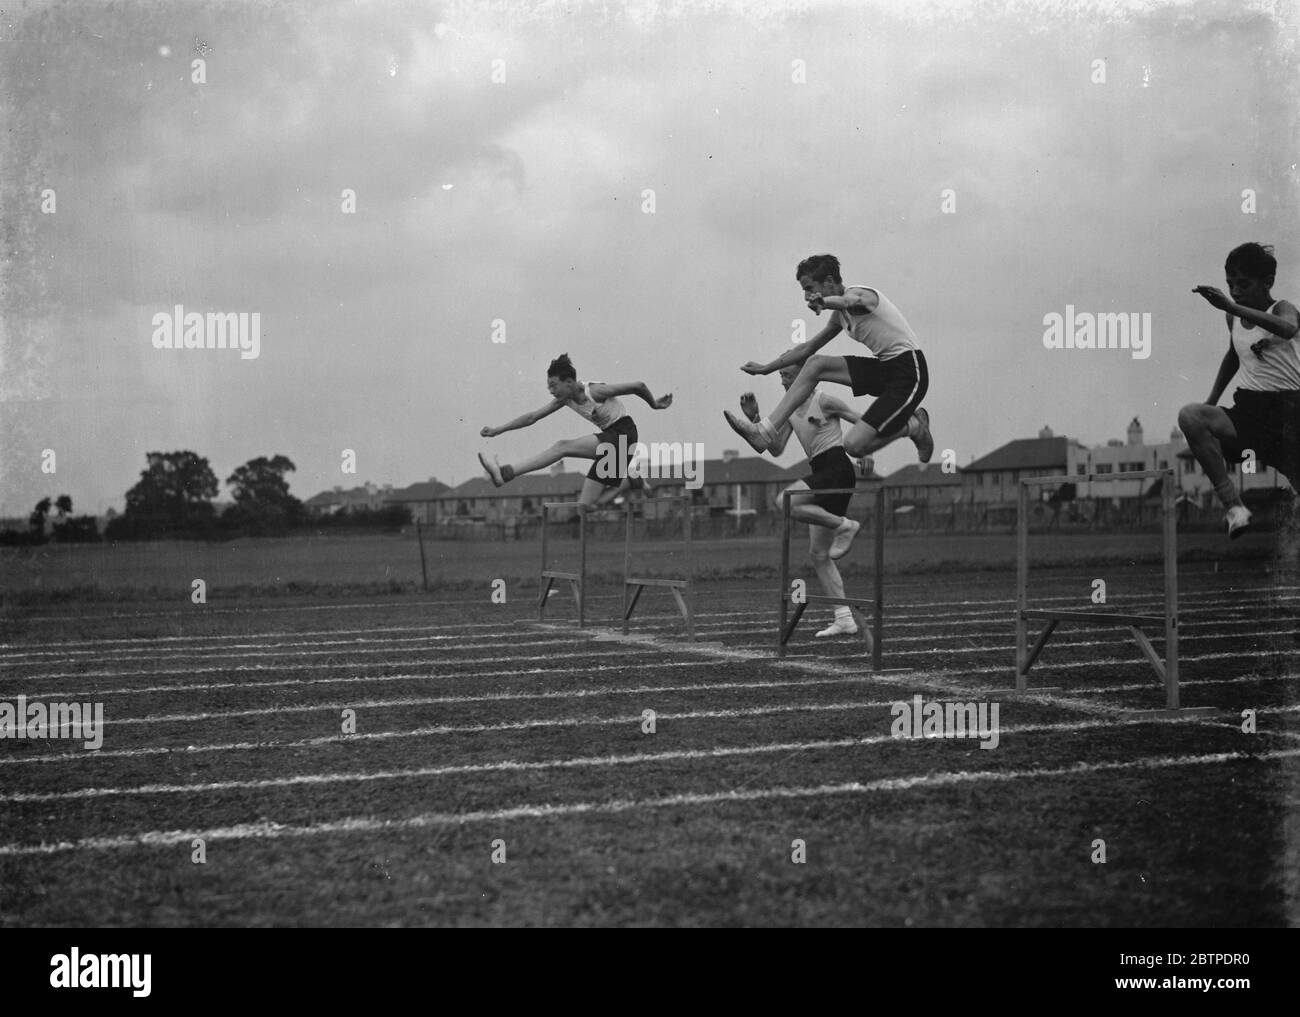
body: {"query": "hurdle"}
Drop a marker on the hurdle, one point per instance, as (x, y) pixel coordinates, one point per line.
(577, 580)
(1166, 670)
(871, 634)
(683, 590)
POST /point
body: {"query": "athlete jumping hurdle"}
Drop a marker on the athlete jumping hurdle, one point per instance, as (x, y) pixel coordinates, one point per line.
(816, 423)
(1263, 355)
(612, 447)
(896, 373)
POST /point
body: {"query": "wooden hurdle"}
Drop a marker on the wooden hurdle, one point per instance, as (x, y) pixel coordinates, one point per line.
(577, 580)
(1166, 670)
(683, 590)
(872, 635)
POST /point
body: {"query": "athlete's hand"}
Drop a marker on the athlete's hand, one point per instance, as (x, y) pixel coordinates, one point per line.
(489, 432)
(663, 402)
(816, 304)
(749, 406)
(754, 367)
(1216, 297)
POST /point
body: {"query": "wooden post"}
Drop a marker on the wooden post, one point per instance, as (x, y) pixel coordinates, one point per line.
(1022, 582)
(785, 575)
(1171, 591)
(424, 572)
(878, 608)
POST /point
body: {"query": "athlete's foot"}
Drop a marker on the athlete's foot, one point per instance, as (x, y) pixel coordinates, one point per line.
(752, 433)
(493, 470)
(924, 441)
(1238, 520)
(844, 534)
(842, 626)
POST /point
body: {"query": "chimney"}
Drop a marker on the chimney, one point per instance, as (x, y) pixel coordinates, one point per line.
(729, 454)
(1135, 432)
(1046, 432)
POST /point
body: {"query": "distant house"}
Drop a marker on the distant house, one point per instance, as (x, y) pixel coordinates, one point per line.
(367, 496)
(924, 485)
(995, 478)
(477, 498)
(420, 498)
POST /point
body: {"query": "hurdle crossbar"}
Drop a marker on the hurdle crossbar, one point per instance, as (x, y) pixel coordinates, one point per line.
(683, 590)
(1166, 670)
(872, 635)
(577, 580)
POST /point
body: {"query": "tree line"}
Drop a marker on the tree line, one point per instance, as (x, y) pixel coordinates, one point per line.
(174, 499)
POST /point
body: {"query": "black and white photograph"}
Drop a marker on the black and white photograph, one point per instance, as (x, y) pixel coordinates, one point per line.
(790, 464)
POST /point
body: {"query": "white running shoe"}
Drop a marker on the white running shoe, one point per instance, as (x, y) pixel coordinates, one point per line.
(844, 534)
(843, 626)
(756, 435)
(1238, 520)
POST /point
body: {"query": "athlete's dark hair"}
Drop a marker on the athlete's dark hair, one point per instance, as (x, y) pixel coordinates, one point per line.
(819, 266)
(562, 368)
(1254, 260)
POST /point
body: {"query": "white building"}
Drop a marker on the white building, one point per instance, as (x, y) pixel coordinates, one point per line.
(1134, 455)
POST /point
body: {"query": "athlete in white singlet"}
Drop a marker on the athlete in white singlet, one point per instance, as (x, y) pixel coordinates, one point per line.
(816, 424)
(611, 448)
(895, 372)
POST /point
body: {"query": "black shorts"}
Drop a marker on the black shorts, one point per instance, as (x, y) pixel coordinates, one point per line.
(831, 469)
(612, 456)
(1267, 423)
(900, 383)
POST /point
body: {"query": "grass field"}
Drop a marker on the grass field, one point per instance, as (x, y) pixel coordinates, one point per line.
(333, 565)
(479, 730)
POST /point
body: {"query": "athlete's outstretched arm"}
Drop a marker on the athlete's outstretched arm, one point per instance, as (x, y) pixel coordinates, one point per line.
(527, 420)
(1227, 368)
(796, 354)
(857, 300)
(636, 388)
(1285, 324)
(835, 408)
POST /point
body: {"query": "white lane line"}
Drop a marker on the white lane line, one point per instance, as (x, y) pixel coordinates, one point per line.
(425, 732)
(896, 609)
(517, 766)
(275, 831)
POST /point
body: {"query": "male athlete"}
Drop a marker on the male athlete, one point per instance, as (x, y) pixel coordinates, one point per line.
(895, 372)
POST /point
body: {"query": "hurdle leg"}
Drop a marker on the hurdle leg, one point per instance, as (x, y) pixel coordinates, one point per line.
(1022, 581)
(1149, 652)
(787, 632)
(878, 607)
(1032, 656)
(786, 626)
(630, 605)
(1171, 593)
(546, 592)
(684, 608)
(580, 586)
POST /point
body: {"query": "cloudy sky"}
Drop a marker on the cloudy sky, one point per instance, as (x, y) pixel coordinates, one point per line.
(500, 155)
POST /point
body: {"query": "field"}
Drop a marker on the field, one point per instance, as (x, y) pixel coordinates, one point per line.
(504, 772)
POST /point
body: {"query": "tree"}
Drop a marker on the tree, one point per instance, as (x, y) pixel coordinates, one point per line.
(37, 519)
(262, 499)
(172, 497)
